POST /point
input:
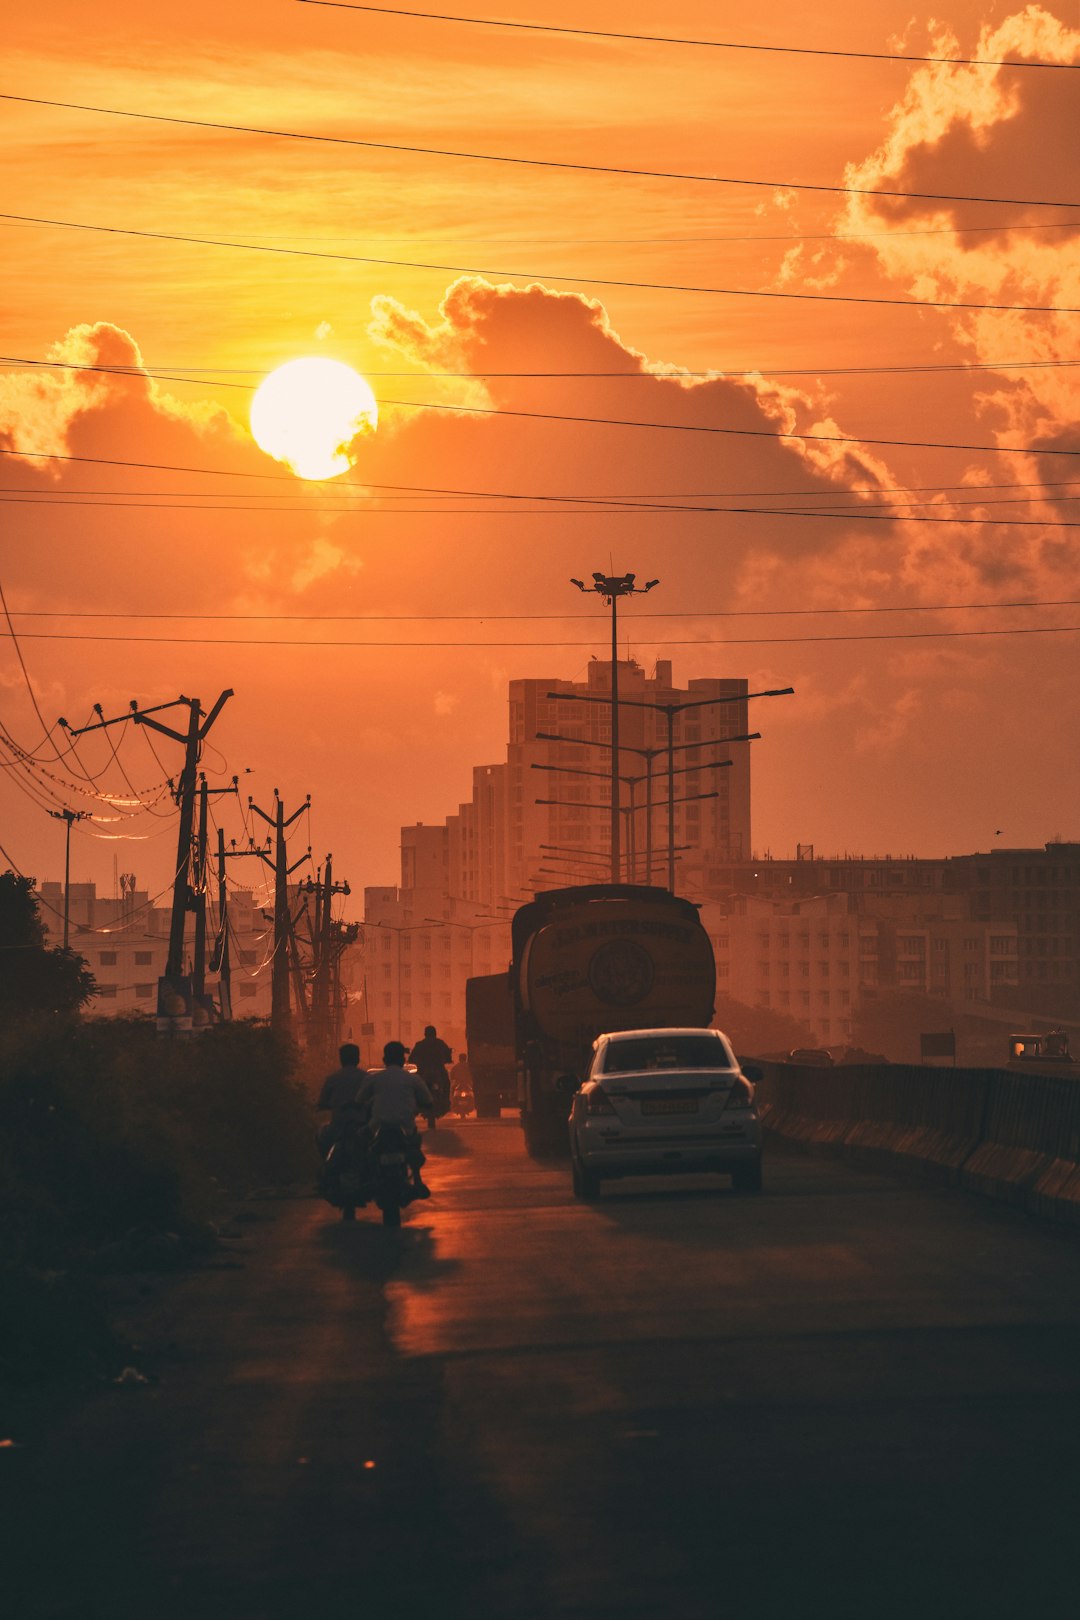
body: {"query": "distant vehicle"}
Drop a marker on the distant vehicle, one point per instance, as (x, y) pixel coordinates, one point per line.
(816, 1057)
(489, 1034)
(664, 1102)
(1049, 1050)
(591, 960)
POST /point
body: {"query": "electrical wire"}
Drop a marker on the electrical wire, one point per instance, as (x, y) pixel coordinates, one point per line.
(575, 281)
(642, 613)
(869, 514)
(697, 44)
(521, 162)
(396, 644)
(776, 434)
(865, 515)
(714, 374)
(628, 501)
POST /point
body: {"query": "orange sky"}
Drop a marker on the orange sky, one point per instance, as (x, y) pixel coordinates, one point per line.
(923, 746)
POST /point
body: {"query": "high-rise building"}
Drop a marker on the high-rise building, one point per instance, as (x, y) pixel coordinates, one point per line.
(542, 819)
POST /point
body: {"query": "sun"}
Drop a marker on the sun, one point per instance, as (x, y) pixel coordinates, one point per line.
(308, 412)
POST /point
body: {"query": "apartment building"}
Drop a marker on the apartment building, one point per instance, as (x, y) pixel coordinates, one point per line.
(416, 963)
(125, 942)
(808, 959)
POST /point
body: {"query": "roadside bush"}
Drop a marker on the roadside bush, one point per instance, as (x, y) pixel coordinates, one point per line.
(105, 1127)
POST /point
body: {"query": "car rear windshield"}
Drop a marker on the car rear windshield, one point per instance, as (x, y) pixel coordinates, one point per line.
(671, 1052)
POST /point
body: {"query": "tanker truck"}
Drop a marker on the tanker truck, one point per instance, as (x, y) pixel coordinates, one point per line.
(588, 961)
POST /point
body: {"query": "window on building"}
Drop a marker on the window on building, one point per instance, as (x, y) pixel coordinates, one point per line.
(722, 970)
(108, 958)
(823, 970)
(143, 958)
(248, 991)
(143, 992)
(844, 941)
(763, 970)
(107, 990)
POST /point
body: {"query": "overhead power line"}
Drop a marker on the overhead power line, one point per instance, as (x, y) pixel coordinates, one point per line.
(553, 416)
(716, 374)
(547, 275)
(834, 514)
(522, 618)
(677, 39)
(527, 162)
(621, 503)
(649, 641)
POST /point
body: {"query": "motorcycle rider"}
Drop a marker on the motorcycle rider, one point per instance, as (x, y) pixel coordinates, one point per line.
(395, 1097)
(461, 1083)
(431, 1057)
(339, 1097)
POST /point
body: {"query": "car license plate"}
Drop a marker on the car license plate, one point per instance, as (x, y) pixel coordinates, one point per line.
(391, 1158)
(669, 1105)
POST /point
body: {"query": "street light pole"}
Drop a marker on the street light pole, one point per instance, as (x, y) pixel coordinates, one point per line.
(670, 710)
(611, 587)
(68, 816)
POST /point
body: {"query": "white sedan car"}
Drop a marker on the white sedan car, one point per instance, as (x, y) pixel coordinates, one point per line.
(661, 1102)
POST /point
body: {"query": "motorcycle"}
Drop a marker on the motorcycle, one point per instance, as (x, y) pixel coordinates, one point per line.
(462, 1101)
(392, 1186)
(345, 1175)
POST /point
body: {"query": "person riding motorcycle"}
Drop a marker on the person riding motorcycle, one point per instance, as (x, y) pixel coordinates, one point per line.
(394, 1097)
(462, 1098)
(431, 1057)
(338, 1098)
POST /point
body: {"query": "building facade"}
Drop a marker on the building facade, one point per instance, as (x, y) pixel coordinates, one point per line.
(125, 943)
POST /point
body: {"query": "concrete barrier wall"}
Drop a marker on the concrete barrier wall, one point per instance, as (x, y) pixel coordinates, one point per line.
(1014, 1137)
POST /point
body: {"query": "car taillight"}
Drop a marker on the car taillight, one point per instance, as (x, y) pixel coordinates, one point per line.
(598, 1102)
(741, 1095)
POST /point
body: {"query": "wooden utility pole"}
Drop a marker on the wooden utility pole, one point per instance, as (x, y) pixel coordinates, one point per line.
(192, 740)
(323, 941)
(198, 975)
(222, 959)
(280, 1012)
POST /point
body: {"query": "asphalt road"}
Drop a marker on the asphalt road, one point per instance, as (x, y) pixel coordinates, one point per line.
(850, 1394)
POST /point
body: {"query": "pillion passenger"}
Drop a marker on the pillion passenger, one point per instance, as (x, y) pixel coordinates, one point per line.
(394, 1097)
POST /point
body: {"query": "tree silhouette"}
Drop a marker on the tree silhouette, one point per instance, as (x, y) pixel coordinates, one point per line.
(35, 979)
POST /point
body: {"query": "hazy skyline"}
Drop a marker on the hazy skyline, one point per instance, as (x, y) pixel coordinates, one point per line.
(923, 746)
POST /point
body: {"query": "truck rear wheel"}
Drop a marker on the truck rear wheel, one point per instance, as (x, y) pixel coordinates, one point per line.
(488, 1098)
(545, 1135)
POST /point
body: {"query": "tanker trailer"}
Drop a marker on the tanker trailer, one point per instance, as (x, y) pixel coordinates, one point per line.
(588, 961)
